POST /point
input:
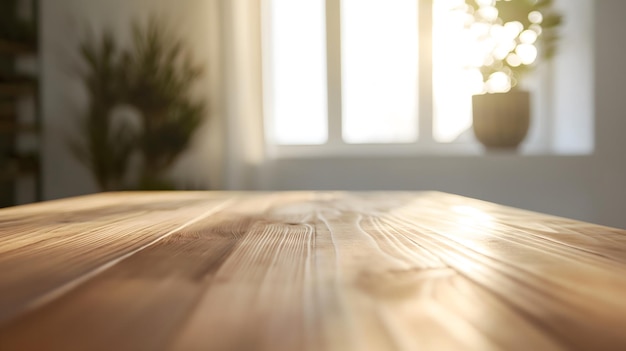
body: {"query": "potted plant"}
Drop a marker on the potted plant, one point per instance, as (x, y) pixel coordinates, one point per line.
(153, 78)
(102, 146)
(510, 36)
(159, 83)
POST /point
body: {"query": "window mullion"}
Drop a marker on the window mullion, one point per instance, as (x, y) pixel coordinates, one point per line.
(425, 85)
(333, 47)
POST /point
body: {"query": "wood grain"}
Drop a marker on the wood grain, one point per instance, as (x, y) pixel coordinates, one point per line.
(306, 271)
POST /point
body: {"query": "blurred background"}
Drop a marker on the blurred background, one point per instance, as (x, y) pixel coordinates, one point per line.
(332, 95)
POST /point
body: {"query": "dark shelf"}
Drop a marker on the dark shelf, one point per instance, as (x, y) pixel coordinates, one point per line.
(12, 128)
(17, 48)
(19, 166)
(7, 110)
(19, 42)
(18, 88)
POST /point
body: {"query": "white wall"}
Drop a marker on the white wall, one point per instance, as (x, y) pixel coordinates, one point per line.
(585, 187)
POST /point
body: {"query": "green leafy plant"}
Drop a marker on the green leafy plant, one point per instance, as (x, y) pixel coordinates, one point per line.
(154, 76)
(103, 147)
(159, 81)
(512, 34)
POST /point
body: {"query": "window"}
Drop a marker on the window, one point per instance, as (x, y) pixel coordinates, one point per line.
(338, 80)
(376, 76)
(379, 60)
(296, 58)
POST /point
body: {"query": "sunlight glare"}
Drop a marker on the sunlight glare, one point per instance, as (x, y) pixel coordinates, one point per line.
(527, 53)
(513, 60)
(452, 51)
(379, 70)
(469, 215)
(498, 82)
(484, 3)
(297, 102)
(490, 13)
(528, 37)
(535, 17)
(513, 28)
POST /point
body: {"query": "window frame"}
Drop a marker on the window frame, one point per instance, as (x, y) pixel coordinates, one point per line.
(425, 144)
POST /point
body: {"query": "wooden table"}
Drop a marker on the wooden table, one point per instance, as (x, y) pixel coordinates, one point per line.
(305, 270)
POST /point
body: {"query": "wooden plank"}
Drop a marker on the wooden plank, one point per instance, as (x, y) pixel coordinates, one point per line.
(571, 294)
(152, 290)
(48, 248)
(373, 294)
(315, 271)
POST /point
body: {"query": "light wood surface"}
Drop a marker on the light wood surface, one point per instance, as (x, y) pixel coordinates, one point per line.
(306, 271)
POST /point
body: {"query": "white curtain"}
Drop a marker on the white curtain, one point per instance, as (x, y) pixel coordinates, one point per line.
(239, 98)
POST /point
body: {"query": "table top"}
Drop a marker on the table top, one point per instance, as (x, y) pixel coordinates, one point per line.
(305, 270)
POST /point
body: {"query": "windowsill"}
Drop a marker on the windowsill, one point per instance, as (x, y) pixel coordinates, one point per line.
(420, 149)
